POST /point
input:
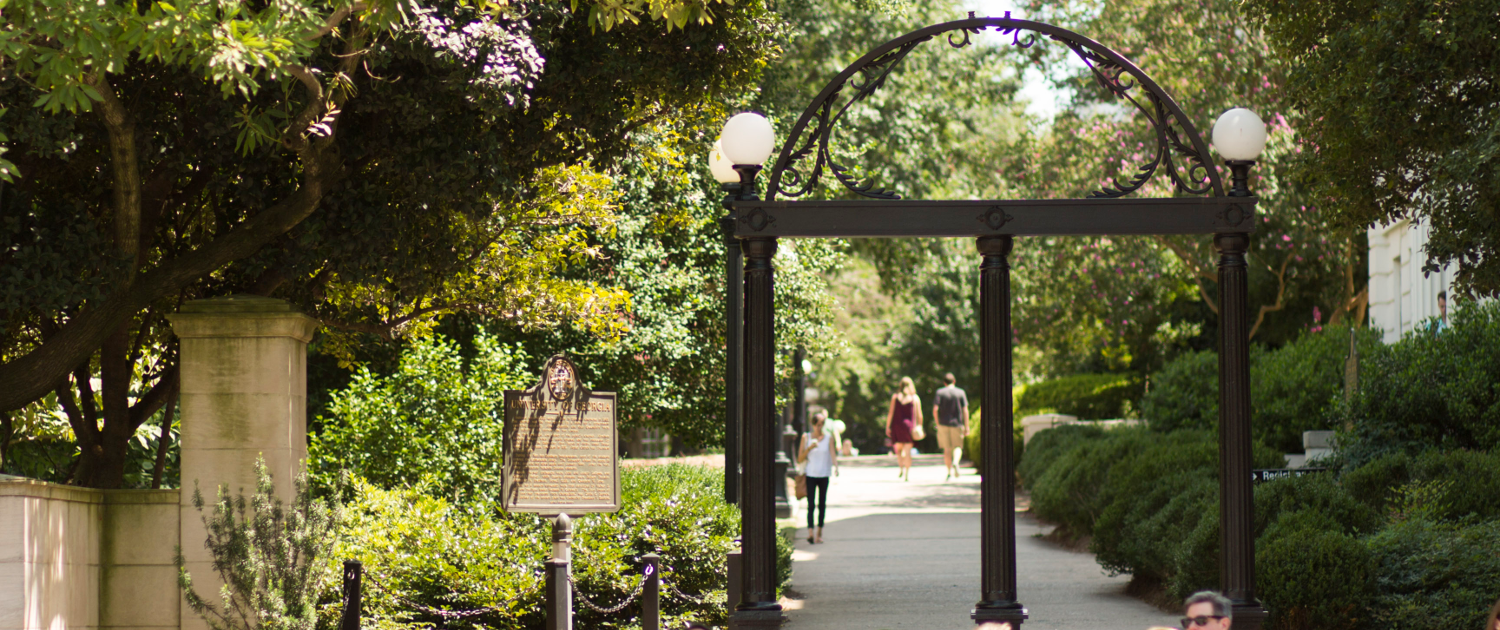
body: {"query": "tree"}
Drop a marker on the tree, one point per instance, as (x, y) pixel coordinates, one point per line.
(1395, 107)
(375, 167)
(1209, 56)
(666, 252)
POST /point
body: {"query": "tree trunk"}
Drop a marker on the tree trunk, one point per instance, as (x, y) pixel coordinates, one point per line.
(162, 443)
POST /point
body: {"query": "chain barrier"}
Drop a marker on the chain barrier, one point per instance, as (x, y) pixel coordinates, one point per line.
(474, 612)
(697, 601)
(609, 611)
(445, 614)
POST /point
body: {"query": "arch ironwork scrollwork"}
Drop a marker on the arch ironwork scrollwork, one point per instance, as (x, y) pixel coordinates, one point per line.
(1180, 149)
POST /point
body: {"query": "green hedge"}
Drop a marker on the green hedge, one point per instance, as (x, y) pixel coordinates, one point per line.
(1435, 575)
(1432, 390)
(1087, 396)
(455, 557)
(1298, 387)
(1313, 575)
(1400, 542)
(1464, 483)
(972, 441)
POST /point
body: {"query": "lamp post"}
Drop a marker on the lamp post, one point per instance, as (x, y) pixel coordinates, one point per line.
(1239, 136)
(734, 334)
(747, 140)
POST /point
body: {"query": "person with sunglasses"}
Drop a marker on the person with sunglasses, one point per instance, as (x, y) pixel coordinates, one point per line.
(1207, 610)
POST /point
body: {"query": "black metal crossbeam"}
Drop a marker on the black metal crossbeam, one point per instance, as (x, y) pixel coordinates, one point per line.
(1018, 217)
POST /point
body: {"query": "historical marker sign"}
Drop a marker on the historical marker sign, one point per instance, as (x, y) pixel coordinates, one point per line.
(560, 446)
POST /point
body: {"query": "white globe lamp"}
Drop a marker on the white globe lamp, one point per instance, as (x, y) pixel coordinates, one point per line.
(748, 139)
(1239, 135)
(720, 165)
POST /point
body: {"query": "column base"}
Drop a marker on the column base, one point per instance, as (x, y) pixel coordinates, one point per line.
(771, 618)
(1249, 615)
(999, 612)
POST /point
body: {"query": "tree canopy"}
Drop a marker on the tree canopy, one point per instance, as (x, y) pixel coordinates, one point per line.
(1397, 103)
(378, 164)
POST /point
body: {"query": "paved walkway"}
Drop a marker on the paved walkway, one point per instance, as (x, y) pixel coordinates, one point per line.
(906, 555)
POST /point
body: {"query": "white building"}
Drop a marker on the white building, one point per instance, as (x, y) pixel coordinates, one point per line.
(1401, 296)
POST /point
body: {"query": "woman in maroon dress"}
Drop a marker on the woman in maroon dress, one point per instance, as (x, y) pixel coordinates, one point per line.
(906, 413)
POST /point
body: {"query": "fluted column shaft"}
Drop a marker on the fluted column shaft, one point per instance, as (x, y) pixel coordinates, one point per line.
(758, 505)
(997, 491)
(1236, 496)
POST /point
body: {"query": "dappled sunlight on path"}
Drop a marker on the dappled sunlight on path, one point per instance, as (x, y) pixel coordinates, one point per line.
(905, 554)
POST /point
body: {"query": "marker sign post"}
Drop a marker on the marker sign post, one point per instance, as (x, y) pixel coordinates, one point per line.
(560, 458)
(560, 446)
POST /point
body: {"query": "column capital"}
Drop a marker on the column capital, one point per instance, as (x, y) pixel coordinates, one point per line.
(242, 316)
(759, 247)
(1231, 244)
(996, 245)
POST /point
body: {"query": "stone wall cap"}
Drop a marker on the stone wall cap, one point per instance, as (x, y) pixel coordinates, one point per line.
(143, 496)
(35, 488)
(238, 303)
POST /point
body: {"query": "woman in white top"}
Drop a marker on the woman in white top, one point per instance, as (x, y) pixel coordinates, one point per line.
(820, 453)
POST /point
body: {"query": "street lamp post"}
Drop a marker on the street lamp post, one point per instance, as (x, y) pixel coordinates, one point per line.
(734, 334)
(747, 140)
(1239, 136)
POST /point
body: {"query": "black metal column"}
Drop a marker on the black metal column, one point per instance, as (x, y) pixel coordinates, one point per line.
(758, 606)
(997, 543)
(1236, 496)
(734, 338)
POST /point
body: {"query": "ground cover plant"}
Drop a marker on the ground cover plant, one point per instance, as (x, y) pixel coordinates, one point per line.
(424, 549)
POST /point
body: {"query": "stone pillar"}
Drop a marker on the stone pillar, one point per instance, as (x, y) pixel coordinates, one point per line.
(243, 367)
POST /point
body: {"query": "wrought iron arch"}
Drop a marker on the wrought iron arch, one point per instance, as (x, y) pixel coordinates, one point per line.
(1196, 175)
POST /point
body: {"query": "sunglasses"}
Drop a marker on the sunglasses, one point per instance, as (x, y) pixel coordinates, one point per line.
(1202, 620)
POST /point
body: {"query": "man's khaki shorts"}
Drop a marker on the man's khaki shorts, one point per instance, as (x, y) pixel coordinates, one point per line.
(950, 437)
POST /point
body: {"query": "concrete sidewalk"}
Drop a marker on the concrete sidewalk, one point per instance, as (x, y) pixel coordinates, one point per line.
(904, 554)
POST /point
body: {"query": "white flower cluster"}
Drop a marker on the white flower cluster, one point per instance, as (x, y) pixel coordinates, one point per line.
(503, 50)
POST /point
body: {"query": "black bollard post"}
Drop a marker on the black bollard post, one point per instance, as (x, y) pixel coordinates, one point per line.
(651, 594)
(734, 579)
(353, 575)
(559, 590)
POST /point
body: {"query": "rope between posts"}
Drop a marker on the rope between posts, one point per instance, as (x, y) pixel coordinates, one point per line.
(621, 606)
(445, 614)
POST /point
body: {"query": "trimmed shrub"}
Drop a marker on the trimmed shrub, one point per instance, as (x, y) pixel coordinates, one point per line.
(1464, 482)
(1300, 386)
(1138, 536)
(1046, 447)
(1432, 390)
(1069, 492)
(1321, 493)
(1295, 388)
(1375, 482)
(1312, 575)
(426, 550)
(1435, 575)
(1195, 562)
(1155, 496)
(1087, 396)
(1184, 394)
(972, 441)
